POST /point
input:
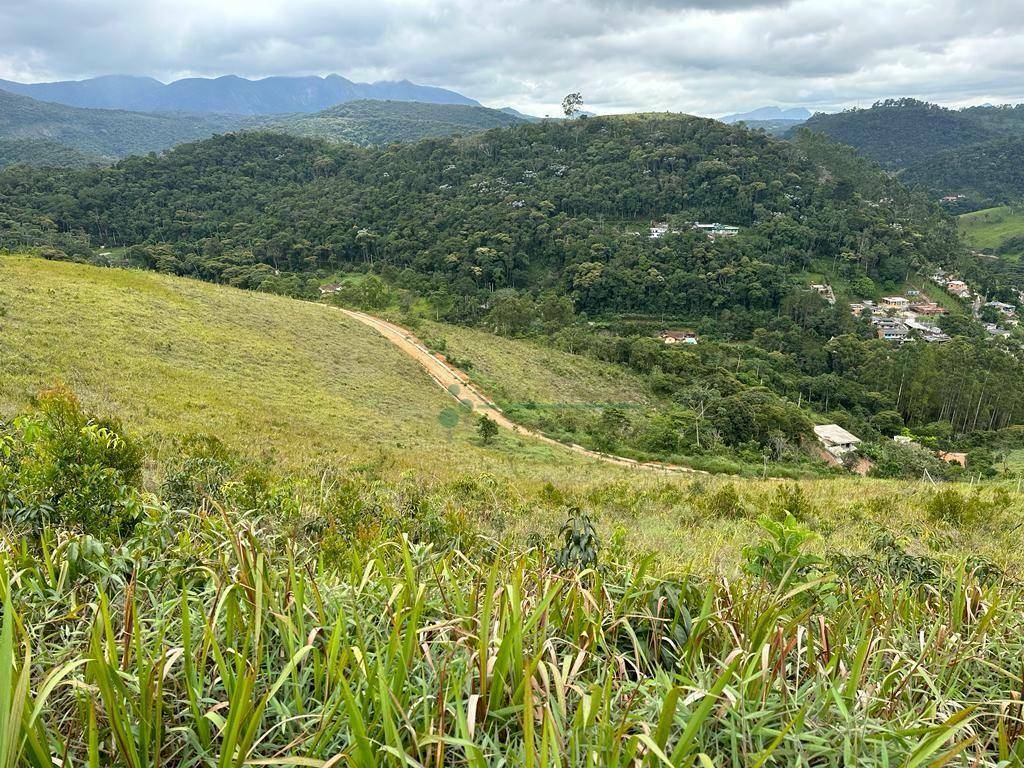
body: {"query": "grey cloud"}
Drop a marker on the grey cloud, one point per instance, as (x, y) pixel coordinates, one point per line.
(699, 56)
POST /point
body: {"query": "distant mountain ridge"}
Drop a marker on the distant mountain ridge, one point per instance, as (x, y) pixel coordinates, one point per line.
(229, 94)
(794, 114)
(34, 132)
(375, 123)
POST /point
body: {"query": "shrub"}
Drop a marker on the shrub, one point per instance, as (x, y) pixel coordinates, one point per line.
(196, 471)
(725, 502)
(63, 466)
(579, 543)
(949, 506)
(791, 500)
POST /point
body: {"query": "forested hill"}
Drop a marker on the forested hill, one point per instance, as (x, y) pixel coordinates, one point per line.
(95, 133)
(970, 154)
(897, 133)
(554, 205)
(985, 174)
(371, 122)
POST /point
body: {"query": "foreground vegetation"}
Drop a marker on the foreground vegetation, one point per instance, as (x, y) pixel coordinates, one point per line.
(216, 615)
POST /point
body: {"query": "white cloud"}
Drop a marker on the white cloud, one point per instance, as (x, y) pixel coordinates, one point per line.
(697, 56)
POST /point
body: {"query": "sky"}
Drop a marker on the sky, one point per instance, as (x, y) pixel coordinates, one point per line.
(707, 57)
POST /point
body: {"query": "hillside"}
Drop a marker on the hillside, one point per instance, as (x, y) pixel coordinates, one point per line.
(177, 356)
(229, 94)
(370, 123)
(96, 133)
(43, 152)
(985, 174)
(897, 133)
(996, 231)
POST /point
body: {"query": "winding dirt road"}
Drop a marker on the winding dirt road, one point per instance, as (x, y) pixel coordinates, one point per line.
(458, 385)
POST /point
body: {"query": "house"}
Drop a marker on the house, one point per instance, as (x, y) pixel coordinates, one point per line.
(717, 230)
(326, 290)
(890, 329)
(857, 309)
(895, 302)
(1007, 309)
(658, 229)
(679, 337)
(836, 441)
(958, 288)
(913, 292)
(995, 330)
(928, 308)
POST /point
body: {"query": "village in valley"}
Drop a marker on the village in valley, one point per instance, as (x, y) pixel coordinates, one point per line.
(902, 318)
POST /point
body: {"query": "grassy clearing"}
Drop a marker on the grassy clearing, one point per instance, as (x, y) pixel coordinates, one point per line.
(988, 229)
(307, 393)
(271, 375)
(517, 372)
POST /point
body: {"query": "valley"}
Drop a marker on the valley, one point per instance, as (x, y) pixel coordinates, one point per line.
(358, 424)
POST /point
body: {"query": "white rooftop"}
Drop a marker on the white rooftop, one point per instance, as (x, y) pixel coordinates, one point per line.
(834, 434)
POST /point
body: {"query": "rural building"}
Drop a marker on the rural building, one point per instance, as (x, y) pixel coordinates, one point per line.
(890, 329)
(326, 290)
(895, 302)
(1001, 306)
(928, 308)
(679, 337)
(857, 309)
(658, 229)
(717, 230)
(958, 288)
(836, 440)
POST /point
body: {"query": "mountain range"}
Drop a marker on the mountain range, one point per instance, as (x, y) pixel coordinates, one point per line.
(229, 94)
(36, 132)
(794, 114)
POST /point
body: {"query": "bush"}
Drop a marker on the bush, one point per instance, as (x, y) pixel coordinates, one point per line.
(725, 502)
(949, 506)
(63, 466)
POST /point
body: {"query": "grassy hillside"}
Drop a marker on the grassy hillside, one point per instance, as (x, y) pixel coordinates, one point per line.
(370, 123)
(298, 384)
(518, 372)
(177, 356)
(998, 231)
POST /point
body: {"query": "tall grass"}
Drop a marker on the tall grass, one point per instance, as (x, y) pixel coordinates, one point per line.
(226, 639)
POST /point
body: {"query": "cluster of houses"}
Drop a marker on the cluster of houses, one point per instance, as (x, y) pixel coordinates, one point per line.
(895, 318)
(661, 228)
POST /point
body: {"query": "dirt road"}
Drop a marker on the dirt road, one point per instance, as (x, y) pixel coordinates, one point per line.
(459, 386)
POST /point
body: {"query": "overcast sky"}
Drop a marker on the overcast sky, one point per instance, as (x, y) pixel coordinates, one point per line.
(700, 56)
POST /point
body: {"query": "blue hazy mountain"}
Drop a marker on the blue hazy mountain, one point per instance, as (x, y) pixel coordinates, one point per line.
(229, 94)
(796, 114)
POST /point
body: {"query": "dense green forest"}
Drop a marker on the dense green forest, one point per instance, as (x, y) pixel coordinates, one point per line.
(986, 174)
(539, 229)
(44, 152)
(45, 134)
(973, 152)
(101, 133)
(370, 123)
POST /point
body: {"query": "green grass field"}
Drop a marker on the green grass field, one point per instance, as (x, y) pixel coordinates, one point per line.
(988, 229)
(299, 385)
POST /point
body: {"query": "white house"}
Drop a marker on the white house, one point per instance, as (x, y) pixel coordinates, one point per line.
(836, 440)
